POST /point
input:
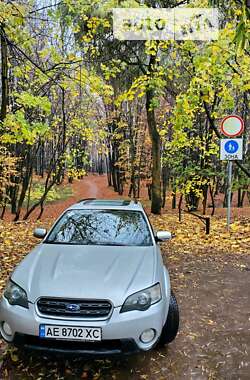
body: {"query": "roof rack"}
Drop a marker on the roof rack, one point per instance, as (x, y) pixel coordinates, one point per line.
(86, 199)
(108, 202)
(126, 202)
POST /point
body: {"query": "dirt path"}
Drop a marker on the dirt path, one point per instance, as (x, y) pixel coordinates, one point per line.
(92, 186)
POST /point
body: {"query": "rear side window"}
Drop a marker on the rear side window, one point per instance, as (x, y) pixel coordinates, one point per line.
(101, 227)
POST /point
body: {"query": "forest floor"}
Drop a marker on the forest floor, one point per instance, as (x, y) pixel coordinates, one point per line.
(211, 279)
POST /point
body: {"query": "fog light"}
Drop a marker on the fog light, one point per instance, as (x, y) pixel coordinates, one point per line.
(147, 336)
(7, 329)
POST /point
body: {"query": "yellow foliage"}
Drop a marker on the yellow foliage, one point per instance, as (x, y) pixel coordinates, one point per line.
(7, 170)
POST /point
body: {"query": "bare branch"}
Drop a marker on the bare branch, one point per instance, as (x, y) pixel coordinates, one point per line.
(46, 7)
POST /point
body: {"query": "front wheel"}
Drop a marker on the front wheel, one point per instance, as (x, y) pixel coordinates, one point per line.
(170, 329)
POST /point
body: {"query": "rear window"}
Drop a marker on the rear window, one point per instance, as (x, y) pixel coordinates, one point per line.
(101, 227)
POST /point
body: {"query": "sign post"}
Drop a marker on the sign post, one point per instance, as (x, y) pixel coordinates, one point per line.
(231, 149)
(229, 193)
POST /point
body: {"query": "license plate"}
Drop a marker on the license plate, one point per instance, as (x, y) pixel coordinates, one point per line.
(70, 332)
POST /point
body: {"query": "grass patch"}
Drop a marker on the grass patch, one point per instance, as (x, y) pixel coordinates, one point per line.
(57, 193)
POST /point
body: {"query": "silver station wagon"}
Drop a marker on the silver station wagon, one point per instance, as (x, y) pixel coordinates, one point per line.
(95, 285)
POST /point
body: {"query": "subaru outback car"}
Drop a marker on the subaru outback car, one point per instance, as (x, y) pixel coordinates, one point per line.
(95, 285)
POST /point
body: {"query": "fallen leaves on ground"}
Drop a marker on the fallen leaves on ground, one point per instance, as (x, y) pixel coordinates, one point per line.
(191, 238)
(16, 240)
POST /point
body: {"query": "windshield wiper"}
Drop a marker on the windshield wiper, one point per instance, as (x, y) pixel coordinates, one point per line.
(67, 242)
(109, 244)
(89, 243)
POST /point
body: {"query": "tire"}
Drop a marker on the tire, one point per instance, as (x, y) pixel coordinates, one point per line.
(171, 327)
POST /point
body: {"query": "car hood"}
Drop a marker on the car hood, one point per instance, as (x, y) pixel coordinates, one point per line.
(91, 272)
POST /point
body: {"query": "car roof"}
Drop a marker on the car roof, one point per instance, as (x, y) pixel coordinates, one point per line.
(107, 204)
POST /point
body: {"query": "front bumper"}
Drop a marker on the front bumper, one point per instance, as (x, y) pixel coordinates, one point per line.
(120, 333)
(98, 349)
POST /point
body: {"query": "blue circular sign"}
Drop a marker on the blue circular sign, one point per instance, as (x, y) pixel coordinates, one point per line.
(231, 147)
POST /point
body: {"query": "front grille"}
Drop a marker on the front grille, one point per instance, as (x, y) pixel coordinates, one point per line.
(74, 308)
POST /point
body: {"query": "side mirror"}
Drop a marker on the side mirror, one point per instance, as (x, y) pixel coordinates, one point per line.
(40, 233)
(163, 236)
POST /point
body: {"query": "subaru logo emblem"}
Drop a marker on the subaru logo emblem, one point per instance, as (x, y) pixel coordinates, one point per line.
(73, 307)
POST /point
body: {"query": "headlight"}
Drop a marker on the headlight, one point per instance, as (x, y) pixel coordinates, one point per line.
(16, 295)
(142, 300)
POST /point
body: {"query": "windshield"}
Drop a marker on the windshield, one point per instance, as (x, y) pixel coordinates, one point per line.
(101, 227)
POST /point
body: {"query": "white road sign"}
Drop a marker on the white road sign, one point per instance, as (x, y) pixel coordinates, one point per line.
(231, 149)
(232, 126)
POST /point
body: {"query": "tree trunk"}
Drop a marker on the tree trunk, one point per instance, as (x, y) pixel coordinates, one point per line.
(13, 193)
(63, 143)
(179, 208)
(204, 202)
(48, 187)
(239, 198)
(156, 155)
(25, 186)
(173, 196)
(242, 198)
(4, 78)
(212, 200)
(165, 179)
(108, 171)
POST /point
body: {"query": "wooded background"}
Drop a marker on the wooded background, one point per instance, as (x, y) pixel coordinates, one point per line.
(73, 100)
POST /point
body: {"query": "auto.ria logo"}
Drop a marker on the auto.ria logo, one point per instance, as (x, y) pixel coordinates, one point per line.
(166, 24)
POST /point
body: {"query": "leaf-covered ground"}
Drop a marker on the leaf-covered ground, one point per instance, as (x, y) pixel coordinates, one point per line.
(211, 278)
